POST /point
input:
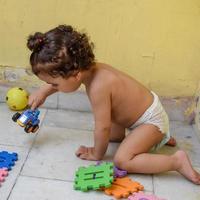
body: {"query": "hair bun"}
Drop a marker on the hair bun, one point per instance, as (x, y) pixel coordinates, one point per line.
(65, 28)
(35, 42)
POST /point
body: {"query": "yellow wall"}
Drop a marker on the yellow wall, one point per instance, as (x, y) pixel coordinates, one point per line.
(156, 41)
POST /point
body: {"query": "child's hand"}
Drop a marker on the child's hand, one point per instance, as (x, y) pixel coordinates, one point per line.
(36, 99)
(86, 153)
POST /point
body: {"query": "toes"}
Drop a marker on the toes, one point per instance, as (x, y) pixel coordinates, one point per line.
(196, 178)
(171, 142)
(197, 181)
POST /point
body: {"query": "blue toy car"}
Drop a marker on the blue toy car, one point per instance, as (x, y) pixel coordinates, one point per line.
(28, 119)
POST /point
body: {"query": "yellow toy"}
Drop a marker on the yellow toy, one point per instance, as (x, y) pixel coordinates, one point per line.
(17, 98)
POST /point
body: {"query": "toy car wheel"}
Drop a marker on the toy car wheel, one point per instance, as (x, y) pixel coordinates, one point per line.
(16, 116)
(35, 128)
(28, 128)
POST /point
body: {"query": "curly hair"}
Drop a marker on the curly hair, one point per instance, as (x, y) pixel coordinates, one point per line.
(60, 51)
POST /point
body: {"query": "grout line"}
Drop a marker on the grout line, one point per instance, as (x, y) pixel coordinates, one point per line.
(66, 109)
(153, 186)
(195, 132)
(12, 145)
(57, 99)
(69, 128)
(51, 179)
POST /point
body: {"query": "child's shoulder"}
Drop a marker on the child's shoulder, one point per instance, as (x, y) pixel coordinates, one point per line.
(102, 78)
(103, 74)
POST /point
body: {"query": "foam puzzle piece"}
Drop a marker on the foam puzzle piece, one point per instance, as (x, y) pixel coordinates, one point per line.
(7, 160)
(123, 187)
(3, 174)
(142, 196)
(94, 177)
(118, 173)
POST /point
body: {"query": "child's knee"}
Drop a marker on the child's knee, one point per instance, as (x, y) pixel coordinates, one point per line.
(121, 163)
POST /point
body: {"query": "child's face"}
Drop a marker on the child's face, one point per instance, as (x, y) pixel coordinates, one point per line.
(69, 84)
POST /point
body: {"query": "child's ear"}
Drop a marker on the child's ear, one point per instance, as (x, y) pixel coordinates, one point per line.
(78, 76)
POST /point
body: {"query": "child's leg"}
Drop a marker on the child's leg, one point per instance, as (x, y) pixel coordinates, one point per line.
(117, 133)
(132, 155)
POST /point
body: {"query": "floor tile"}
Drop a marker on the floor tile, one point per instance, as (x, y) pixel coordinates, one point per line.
(47, 171)
(196, 130)
(176, 107)
(51, 102)
(69, 119)
(173, 186)
(43, 189)
(3, 91)
(8, 184)
(145, 180)
(11, 133)
(74, 101)
(186, 139)
(53, 154)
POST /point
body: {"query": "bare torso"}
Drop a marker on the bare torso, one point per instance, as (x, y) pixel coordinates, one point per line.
(129, 98)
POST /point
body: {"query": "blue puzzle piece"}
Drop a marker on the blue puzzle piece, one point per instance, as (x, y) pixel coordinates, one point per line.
(7, 160)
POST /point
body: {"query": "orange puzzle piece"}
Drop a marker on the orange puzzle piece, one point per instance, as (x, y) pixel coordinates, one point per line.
(123, 187)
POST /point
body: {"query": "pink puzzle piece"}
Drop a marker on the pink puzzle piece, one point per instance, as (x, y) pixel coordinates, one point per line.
(142, 196)
(3, 174)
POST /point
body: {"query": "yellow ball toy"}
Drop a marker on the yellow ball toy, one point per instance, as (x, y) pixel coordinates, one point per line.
(17, 98)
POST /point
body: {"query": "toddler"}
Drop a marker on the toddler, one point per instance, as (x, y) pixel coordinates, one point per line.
(64, 59)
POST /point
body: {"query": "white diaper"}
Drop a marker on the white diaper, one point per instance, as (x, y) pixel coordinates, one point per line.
(157, 116)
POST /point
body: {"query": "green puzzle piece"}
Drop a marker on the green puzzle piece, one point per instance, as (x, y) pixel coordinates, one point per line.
(94, 177)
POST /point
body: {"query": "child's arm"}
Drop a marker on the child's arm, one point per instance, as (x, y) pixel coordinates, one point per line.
(38, 97)
(101, 104)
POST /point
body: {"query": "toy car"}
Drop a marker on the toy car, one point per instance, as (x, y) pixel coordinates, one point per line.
(28, 119)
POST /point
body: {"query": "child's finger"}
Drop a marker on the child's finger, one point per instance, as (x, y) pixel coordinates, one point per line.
(30, 102)
(80, 151)
(84, 156)
(34, 106)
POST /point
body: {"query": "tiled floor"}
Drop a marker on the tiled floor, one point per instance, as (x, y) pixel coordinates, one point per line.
(46, 166)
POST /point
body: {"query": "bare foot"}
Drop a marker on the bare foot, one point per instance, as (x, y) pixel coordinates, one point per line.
(171, 142)
(185, 168)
